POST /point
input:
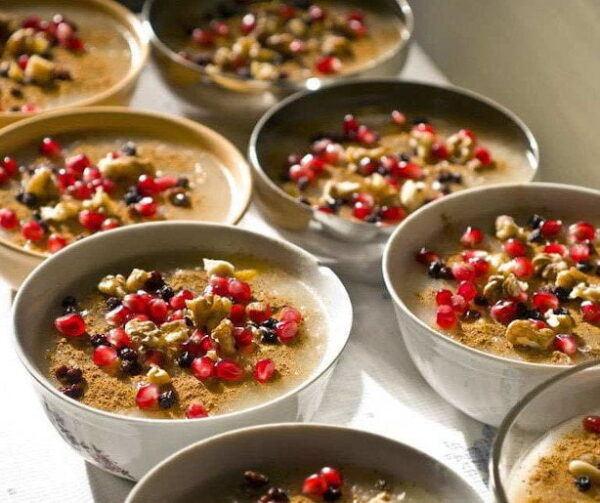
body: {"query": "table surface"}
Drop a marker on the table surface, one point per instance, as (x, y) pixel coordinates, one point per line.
(375, 385)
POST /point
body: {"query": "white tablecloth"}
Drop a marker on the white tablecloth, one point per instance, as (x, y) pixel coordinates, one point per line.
(375, 386)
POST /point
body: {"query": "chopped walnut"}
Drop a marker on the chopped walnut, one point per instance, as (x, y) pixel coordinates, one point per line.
(101, 200)
(526, 333)
(569, 278)
(507, 228)
(413, 194)
(174, 331)
(42, 184)
(113, 285)
(61, 211)
(157, 375)
(343, 189)
(144, 332)
(223, 334)
(136, 280)
(499, 286)
(218, 267)
(26, 41)
(562, 323)
(39, 70)
(586, 292)
(208, 310)
(125, 167)
(548, 265)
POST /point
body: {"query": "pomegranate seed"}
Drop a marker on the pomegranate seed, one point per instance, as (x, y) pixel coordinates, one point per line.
(165, 182)
(467, 132)
(424, 128)
(195, 411)
(220, 28)
(239, 291)
(550, 228)
(118, 316)
(71, 325)
(135, 303)
(91, 220)
(315, 485)
(50, 148)
(203, 37)
(515, 248)
(286, 330)
(31, 22)
(392, 213)
(332, 476)
(440, 151)
(521, 297)
(409, 171)
(154, 357)
(358, 28)
(208, 344)
(157, 310)
(8, 219)
(317, 13)
(55, 242)
(398, 117)
(118, 338)
(557, 248)
(316, 164)
(237, 314)
(219, 285)
(565, 343)
(579, 252)
(146, 207)
(590, 311)
(582, 231)
(33, 230)
(29, 108)
(459, 304)
(79, 190)
(328, 65)
(243, 336)
(445, 317)
(65, 179)
(264, 370)
(350, 125)
(110, 223)
(193, 344)
(483, 156)
(203, 368)
(471, 237)
(333, 153)
(176, 315)
(522, 267)
(91, 175)
(467, 290)
(443, 297)
(248, 24)
(107, 185)
(22, 61)
(366, 136)
(425, 256)
(480, 265)
(228, 370)
(298, 172)
(544, 301)
(290, 314)
(10, 165)
(591, 424)
(77, 163)
(361, 210)
(4, 176)
(463, 272)
(178, 300)
(104, 356)
(74, 44)
(297, 46)
(258, 311)
(146, 185)
(147, 396)
(504, 311)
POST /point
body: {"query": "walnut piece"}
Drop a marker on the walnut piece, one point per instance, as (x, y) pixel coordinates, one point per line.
(526, 333)
(39, 70)
(113, 285)
(136, 280)
(507, 228)
(174, 332)
(61, 211)
(218, 267)
(548, 265)
(26, 41)
(562, 323)
(144, 332)
(569, 278)
(586, 292)
(413, 194)
(125, 167)
(499, 286)
(208, 310)
(223, 334)
(157, 375)
(42, 184)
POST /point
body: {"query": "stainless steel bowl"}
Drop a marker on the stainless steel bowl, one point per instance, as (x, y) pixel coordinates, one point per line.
(236, 98)
(287, 127)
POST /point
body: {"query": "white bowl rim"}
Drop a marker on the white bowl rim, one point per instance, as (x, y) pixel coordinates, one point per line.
(45, 383)
(249, 430)
(389, 283)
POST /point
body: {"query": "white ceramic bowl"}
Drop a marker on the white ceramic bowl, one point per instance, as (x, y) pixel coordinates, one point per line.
(130, 446)
(482, 385)
(304, 444)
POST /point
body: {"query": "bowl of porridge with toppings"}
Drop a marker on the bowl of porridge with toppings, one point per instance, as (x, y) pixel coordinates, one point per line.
(498, 283)
(248, 55)
(56, 54)
(180, 331)
(71, 174)
(548, 447)
(349, 162)
(321, 463)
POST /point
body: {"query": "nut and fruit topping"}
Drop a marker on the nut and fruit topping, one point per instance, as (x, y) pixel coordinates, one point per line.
(378, 176)
(63, 197)
(585, 469)
(539, 284)
(219, 333)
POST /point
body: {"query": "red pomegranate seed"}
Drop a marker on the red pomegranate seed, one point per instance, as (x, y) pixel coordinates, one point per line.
(408, 170)
(565, 343)
(579, 252)
(104, 356)
(31, 22)
(193, 344)
(178, 300)
(459, 304)
(8, 219)
(590, 311)
(361, 210)
(550, 228)
(110, 223)
(4, 176)
(203, 368)
(147, 207)
(316, 164)
(328, 65)
(504, 311)
(544, 301)
(467, 132)
(366, 136)
(443, 297)
(446, 317)
(424, 128)
(286, 331)
(591, 424)
(33, 230)
(483, 155)
(521, 297)
(555, 248)
(264, 370)
(515, 248)
(463, 272)
(243, 336)
(76, 164)
(425, 256)
(79, 190)
(118, 338)
(258, 311)
(471, 237)
(29, 108)
(157, 310)
(332, 153)
(350, 125)
(480, 266)
(440, 151)
(147, 396)
(22, 61)
(165, 182)
(219, 285)
(55, 243)
(91, 220)
(50, 148)
(65, 179)
(135, 303)
(237, 314)
(146, 185)
(176, 315)
(398, 117)
(392, 213)
(290, 314)
(248, 24)
(10, 165)
(228, 370)
(467, 290)
(298, 172)
(317, 13)
(332, 476)
(539, 323)
(208, 344)
(203, 37)
(118, 316)
(195, 411)
(154, 357)
(71, 325)
(91, 174)
(315, 485)
(239, 291)
(522, 267)
(582, 231)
